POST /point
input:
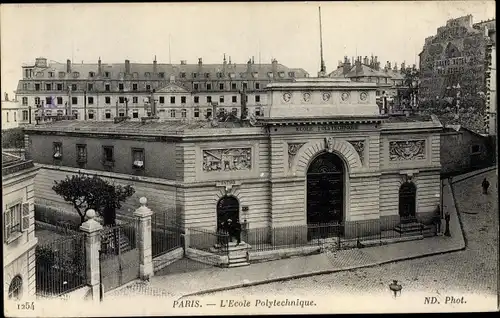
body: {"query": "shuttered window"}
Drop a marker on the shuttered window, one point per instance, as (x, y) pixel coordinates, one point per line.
(16, 220)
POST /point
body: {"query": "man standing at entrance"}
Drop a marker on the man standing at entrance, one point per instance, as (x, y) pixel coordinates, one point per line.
(237, 231)
(437, 220)
(485, 186)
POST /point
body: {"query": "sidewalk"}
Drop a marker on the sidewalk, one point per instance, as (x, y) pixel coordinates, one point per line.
(217, 279)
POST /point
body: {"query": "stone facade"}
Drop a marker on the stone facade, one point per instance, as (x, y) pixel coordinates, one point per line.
(179, 91)
(264, 164)
(18, 198)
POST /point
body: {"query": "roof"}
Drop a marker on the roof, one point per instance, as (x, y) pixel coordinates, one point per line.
(365, 71)
(13, 162)
(239, 71)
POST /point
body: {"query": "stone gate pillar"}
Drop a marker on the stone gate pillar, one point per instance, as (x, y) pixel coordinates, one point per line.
(144, 244)
(92, 230)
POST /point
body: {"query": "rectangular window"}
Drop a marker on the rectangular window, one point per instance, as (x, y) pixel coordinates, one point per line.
(25, 101)
(257, 111)
(108, 155)
(183, 99)
(51, 74)
(25, 115)
(37, 100)
(257, 98)
(134, 87)
(12, 220)
(221, 99)
(57, 150)
(234, 111)
(161, 75)
(245, 85)
(172, 113)
(73, 87)
(107, 100)
(209, 99)
(59, 101)
(135, 114)
(234, 99)
(172, 99)
(196, 112)
(107, 115)
(81, 153)
(48, 100)
(25, 86)
(121, 99)
(48, 87)
(120, 86)
(37, 87)
(475, 149)
(197, 99)
(183, 74)
(148, 87)
(162, 99)
(106, 74)
(257, 85)
(90, 100)
(74, 100)
(209, 112)
(107, 87)
(233, 85)
(59, 87)
(91, 115)
(135, 100)
(138, 158)
(209, 86)
(183, 113)
(221, 86)
(195, 86)
(90, 87)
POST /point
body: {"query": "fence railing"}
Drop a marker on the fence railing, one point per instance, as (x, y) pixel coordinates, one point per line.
(118, 239)
(209, 241)
(165, 238)
(61, 266)
(339, 236)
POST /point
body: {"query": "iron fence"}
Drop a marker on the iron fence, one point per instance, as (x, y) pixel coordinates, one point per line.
(61, 266)
(118, 239)
(339, 236)
(165, 238)
(209, 241)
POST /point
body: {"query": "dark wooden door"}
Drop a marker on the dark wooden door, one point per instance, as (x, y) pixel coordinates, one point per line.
(228, 207)
(407, 202)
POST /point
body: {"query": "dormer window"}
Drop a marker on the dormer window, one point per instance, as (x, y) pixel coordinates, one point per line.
(135, 75)
(121, 74)
(243, 75)
(255, 74)
(281, 74)
(39, 74)
(62, 74)
(270, 74)
(220, 75)
(232, 75)
(57, 150)
(147, 74)
(291, 74)
(183, 74)
(207, 75)
(161, 75)
(91, 74)
(76, 74)
(51, 74)
(195, 75)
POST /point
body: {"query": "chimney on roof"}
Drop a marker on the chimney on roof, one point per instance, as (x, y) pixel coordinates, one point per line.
(200, 61)
(358, 65)
(6, 98)
(371, 61)
(353, 61)
(127, 67)
(274, 66)
(395, 66)
(249, 66)
(183, 62)
(366, 61)
(99, 67)
(253, 59)
(403, 66)
(229, 59)
(346, 66)
(155, 66)
(68, 66)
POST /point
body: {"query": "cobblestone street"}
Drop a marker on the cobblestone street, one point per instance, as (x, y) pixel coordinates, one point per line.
(473, 270)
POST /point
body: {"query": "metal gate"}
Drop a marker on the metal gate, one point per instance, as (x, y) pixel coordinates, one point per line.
(119, 256)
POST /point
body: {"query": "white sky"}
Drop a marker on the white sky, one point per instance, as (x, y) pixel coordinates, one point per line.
(393, 31)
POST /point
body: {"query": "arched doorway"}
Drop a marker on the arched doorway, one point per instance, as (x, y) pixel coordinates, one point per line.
(325, 190)
(407, 202)
(228, 207)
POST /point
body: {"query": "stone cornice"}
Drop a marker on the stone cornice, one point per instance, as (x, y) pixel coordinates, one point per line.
(293, 121)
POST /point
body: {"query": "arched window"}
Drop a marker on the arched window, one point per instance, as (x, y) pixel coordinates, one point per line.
(15, 288)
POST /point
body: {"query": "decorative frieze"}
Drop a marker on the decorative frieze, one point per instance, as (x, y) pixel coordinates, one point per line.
(407, 150)
(359, 146)
(232, 159)
(293, 148)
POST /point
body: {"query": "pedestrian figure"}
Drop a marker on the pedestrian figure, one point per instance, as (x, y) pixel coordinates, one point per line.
(230, 229)
(447, 219)
(437, 220)
(485, 186)
(221, 234)
(237, 231)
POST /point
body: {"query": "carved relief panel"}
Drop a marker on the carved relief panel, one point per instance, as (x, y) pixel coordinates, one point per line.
(359, 145)
(407, 150)
(232, 159)
(293, 148)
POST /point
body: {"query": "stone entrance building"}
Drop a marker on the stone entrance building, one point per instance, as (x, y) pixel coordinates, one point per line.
(322, 153)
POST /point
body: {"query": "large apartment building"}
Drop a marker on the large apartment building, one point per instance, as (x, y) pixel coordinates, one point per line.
(454, 66)
(103, 91)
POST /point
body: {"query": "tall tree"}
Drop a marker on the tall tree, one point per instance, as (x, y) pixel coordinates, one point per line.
(86, 192)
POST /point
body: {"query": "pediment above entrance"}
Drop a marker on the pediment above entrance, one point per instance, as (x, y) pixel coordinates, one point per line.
(172, 88)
